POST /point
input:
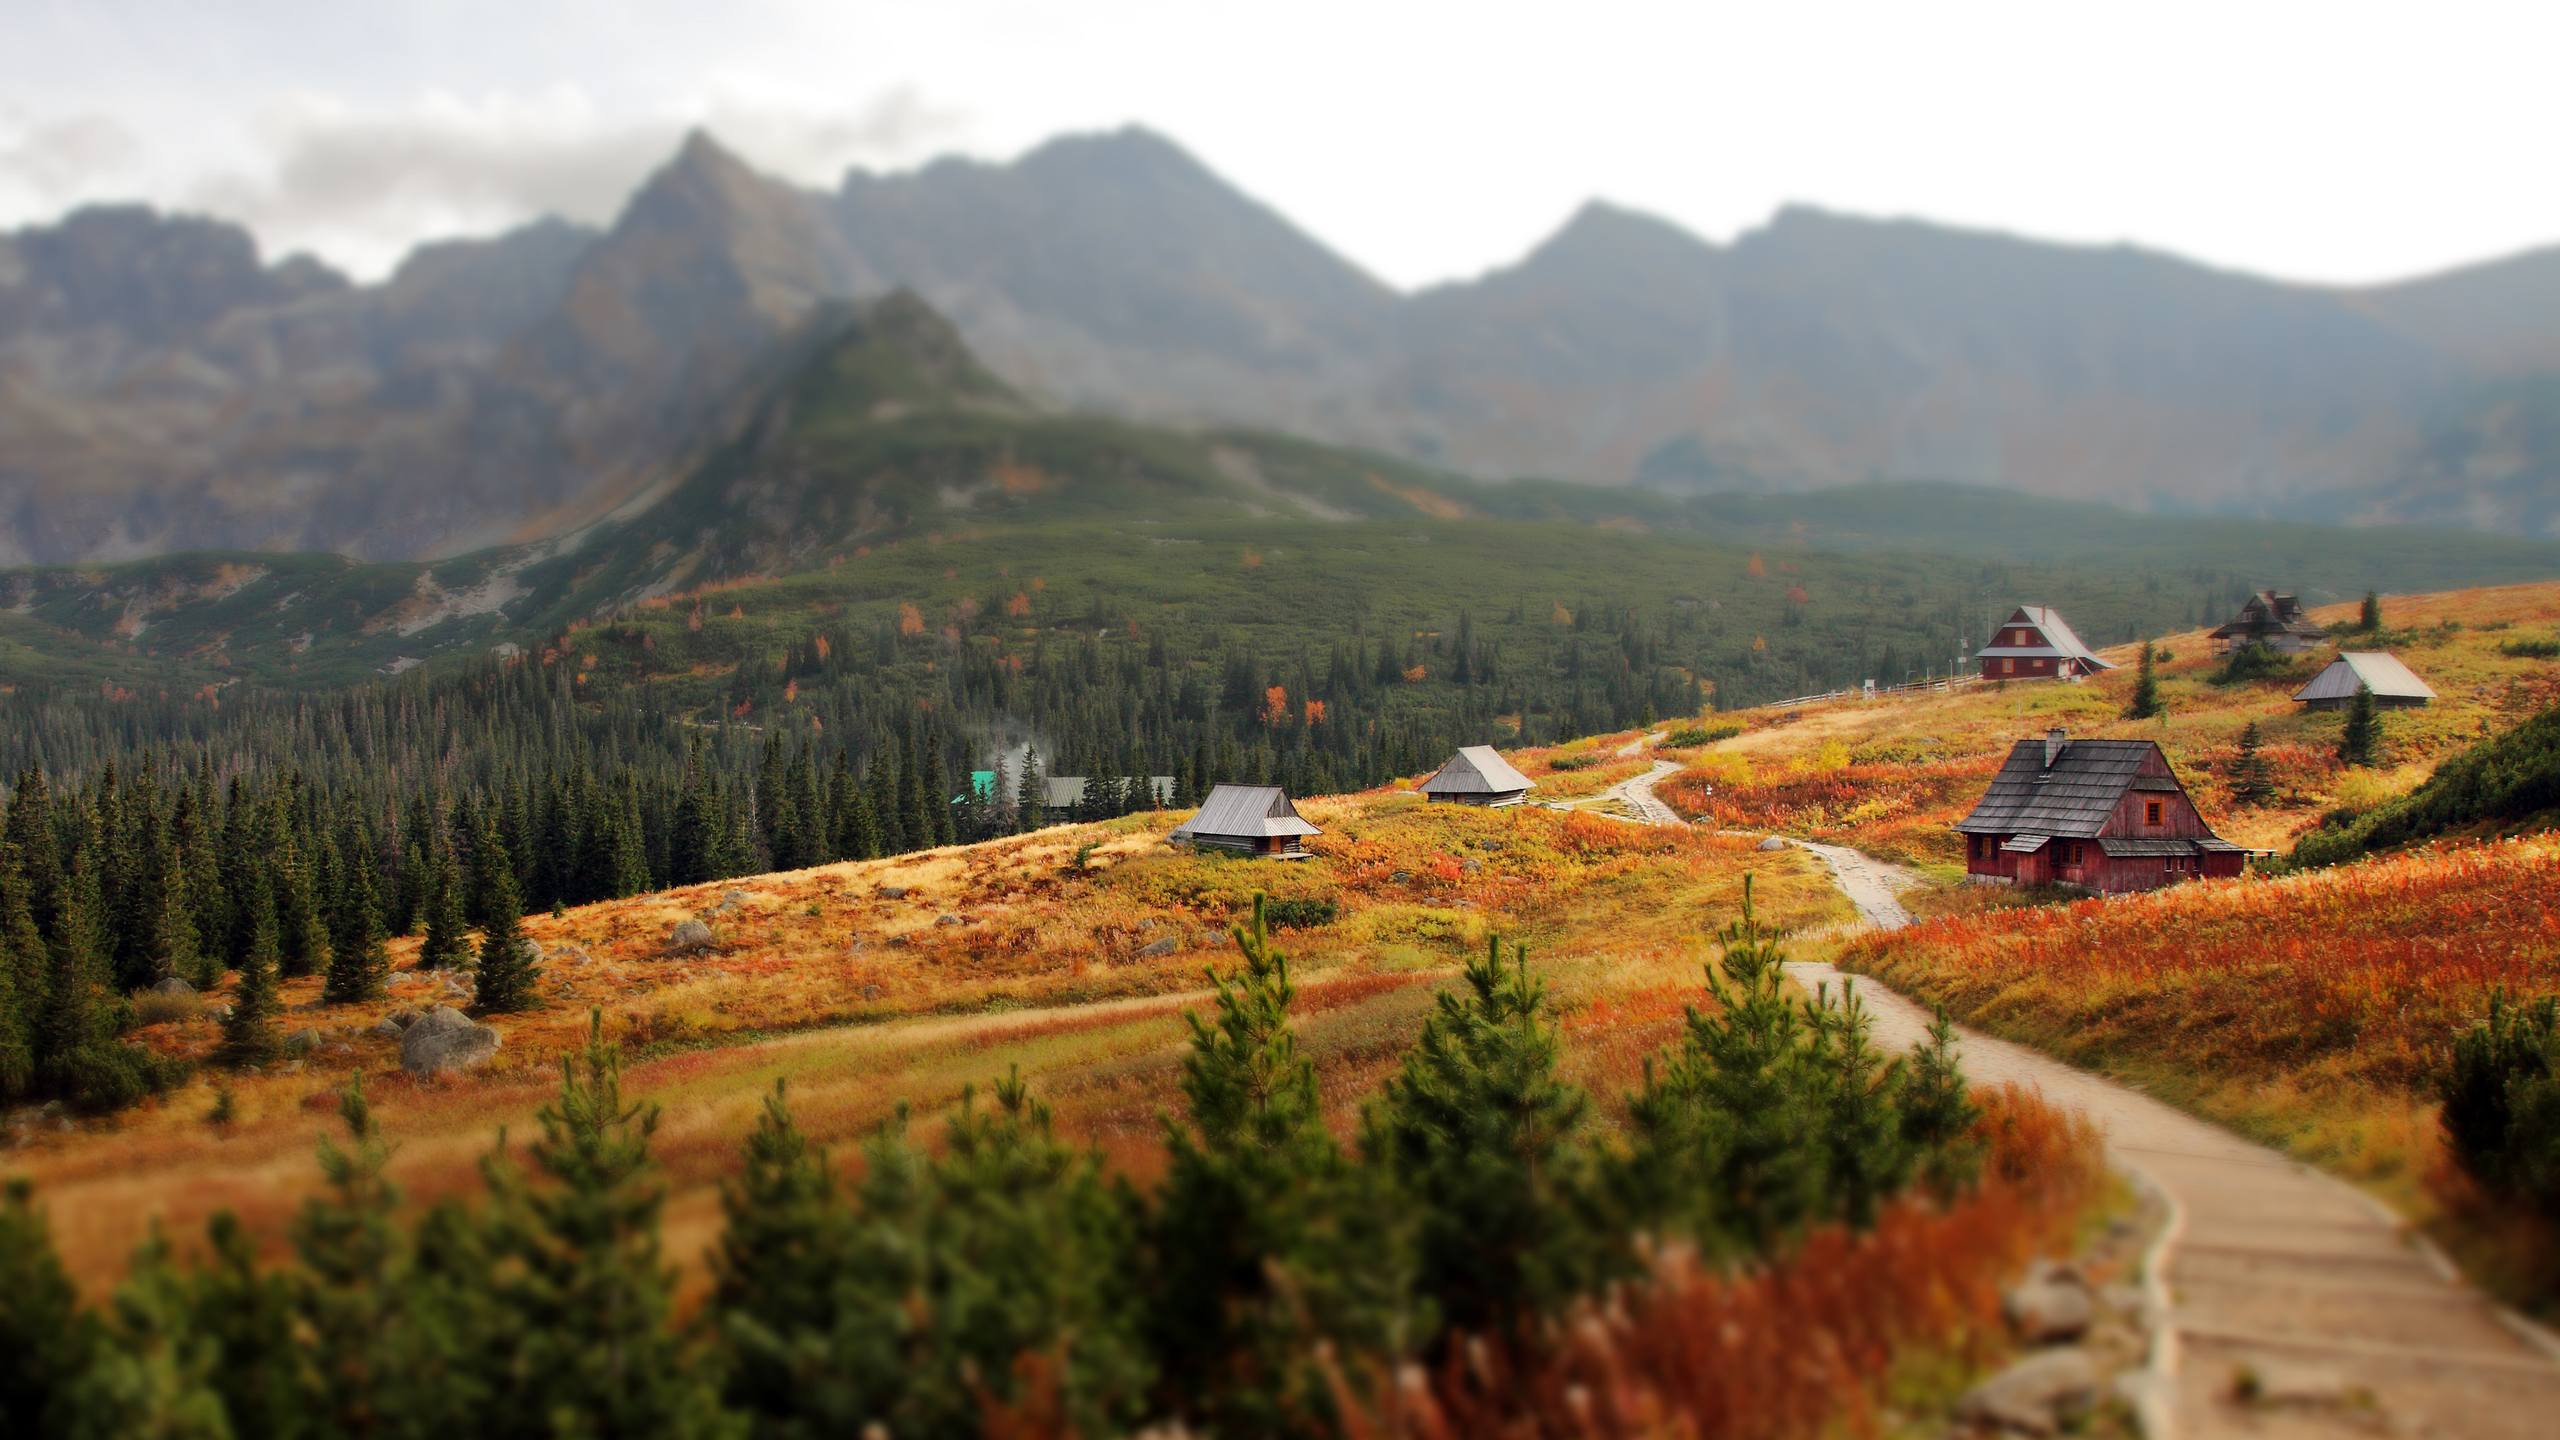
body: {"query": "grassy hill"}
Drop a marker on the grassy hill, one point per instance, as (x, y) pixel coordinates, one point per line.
(1072, 951)
(1892, 777)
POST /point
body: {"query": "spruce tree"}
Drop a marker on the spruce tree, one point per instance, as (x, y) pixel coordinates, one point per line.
(776, 1274)
(1267, 1240)
(23, 968)
(358, 962)
(249, 1031)
(1031, 795)
(2361, 738)
(77, 1056)
(347, 1289)
(447, 945)
(1938, 1112)
(587, 1285)
(1480, 1133)
(508, 965)
(2369, 616)
(243, 1308)
(2146, 688)
(48, 1341)
(301, 928)
(2252, 778)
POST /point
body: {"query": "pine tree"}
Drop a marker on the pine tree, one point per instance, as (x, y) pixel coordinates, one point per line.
(588, 1287)
(77, 1057)
(2369, 616)
(249, 1031)
(508, 962)
(23, 969)
(302, 931)
(2362, 737)
(447, 945)
(358, 962)
(2146, 688)
(260, 1374)
(776, 1274)
(1479, 1131)
(1031, 795)
(48, 1342)
(1938, 1112)
(2252, 778)
(1267, 1240)
(347, 1288)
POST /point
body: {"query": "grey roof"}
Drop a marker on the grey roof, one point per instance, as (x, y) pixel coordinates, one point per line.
(2381, 673)
(1476, 770)
(1065, 792)
(2025, 844)
(2061, 641)
(2073, 797)
(1254, 810)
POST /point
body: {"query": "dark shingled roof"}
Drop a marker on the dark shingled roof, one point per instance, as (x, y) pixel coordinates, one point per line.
(2072, 798)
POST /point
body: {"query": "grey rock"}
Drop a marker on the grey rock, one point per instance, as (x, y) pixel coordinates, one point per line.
(1470, 864)
(690, 937)
(2045, 1312)
(870, 992)
(218, 1012)
(1773, 843)
(445, 1040)
(1401, 877)
(572, 955)
(1153, 948)
(173, 986)
(946, 919)
(302, 1042)
(386, 1027)
(893, 892)
(2038, 1395)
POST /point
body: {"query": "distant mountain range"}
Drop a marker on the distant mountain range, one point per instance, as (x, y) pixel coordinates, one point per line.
(161, 388)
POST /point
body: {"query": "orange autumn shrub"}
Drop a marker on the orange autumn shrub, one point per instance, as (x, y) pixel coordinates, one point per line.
(1802, 1346)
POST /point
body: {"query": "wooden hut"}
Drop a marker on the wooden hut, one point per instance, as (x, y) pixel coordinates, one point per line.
(2105, 815)
(1478, 775)
(2273, 618)
(2036, 643)
(1256, 819)
(2394, 687)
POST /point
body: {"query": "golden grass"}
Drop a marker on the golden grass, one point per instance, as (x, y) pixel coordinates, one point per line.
(863, 1000)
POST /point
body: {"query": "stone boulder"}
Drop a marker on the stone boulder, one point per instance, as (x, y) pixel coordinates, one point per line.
(692, 937)
(445, 1040)
(173, 986)
(2050, 1307)
(893, 892)
(567, 954)
(1773, 843)
(1154, 948)
(946, 919)
(2043, 1394)
(302, 1042)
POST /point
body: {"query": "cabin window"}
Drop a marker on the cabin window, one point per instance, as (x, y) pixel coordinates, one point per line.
(2150, 812)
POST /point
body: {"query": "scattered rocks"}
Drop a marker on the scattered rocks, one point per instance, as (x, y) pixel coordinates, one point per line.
(302, 1042)
(2051, 1306)
(946, 919)
(572, 955)
(690, 937)
(2039, 1395)
(893, 892)
(1773, 843)
(173, 986)
(445, 1040)
(386, 1027)
(1154, 948)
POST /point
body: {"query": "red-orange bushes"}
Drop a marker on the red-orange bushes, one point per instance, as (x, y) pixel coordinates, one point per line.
(2367, 970)
(1787, 1349)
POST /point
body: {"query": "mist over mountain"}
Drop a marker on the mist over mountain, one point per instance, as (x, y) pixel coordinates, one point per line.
(162, 387)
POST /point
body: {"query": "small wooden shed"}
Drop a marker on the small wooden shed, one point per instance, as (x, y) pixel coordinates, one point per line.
(1478, 775)
(2036, 643)
(1256, 819)
(2273, 618)
(2393, 685)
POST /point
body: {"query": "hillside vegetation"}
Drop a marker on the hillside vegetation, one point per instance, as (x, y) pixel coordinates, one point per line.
(2509, 781)
(1894, 776)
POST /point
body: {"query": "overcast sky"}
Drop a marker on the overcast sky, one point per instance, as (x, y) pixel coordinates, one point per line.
(1425, 141)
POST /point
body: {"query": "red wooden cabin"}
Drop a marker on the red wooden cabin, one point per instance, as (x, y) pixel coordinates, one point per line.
(2035, 643)
(2103, 815)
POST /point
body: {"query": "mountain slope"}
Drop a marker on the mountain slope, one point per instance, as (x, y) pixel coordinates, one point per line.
(160, 386)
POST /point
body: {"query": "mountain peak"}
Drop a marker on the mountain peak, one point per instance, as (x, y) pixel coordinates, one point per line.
(1603, 240)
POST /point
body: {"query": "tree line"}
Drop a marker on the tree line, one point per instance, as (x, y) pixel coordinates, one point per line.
(1003, 1277)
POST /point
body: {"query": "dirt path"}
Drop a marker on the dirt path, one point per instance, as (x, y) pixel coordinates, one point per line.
(1636, 794)
(2270, 1270)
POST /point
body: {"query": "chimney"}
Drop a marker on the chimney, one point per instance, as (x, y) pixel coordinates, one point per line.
(2053, 741)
